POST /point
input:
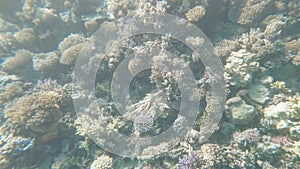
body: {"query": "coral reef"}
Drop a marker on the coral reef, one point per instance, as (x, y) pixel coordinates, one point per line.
(69, 41)
(45, 61)
(19, 62)
(7, 43)
(252, 11)
(239, 112)
(27, 38)
(70, 55)
(259, 93)
(103, 161)
(257, 41)
(195, 14)
(41, 111)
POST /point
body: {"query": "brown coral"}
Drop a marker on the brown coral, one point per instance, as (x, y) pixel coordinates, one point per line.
(22, 59)
(27, 38)
(70, 55)
(45, 61)
(252, 10)
(71, 40)
(39, 111)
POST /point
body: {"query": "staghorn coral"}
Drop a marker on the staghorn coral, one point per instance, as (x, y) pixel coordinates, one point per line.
(248, 54)
(11, 90)
(46, 17)
(12, 148)
(28, 11)
(145, 111)
(296, 60)
(121, 8)
(252, 10)
(258, 42)
(14, 145)
(292, 51)
(283, 117)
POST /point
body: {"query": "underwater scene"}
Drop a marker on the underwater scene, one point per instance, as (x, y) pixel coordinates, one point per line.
(150, 84)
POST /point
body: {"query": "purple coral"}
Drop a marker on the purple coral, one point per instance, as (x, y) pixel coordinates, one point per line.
(252, 135)
(249, 135)
(187, 162)
(209, 78)
(282, 140)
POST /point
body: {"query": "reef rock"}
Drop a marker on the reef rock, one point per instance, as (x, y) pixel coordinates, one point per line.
(259, 93)
(239, 112)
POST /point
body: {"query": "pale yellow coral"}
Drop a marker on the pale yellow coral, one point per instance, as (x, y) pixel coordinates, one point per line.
(280, 86)
(71, 40)
(45, 61)
(102, 162)
(195, 14)
(22, 58)
(252, 11)
(26, 37)
(134, 65)
(296, 60)
(257, 42)
(39, 111)
(225, 47)
(70, 55)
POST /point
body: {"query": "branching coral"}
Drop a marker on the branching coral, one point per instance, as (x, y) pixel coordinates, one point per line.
(41, 111)
(69, 41)
(21, 60)
(252, 10)
(103, 161)
(145, 111)
(56, 31)
(45, 61)
(69, 56)
(195, 14)
(27, 38)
